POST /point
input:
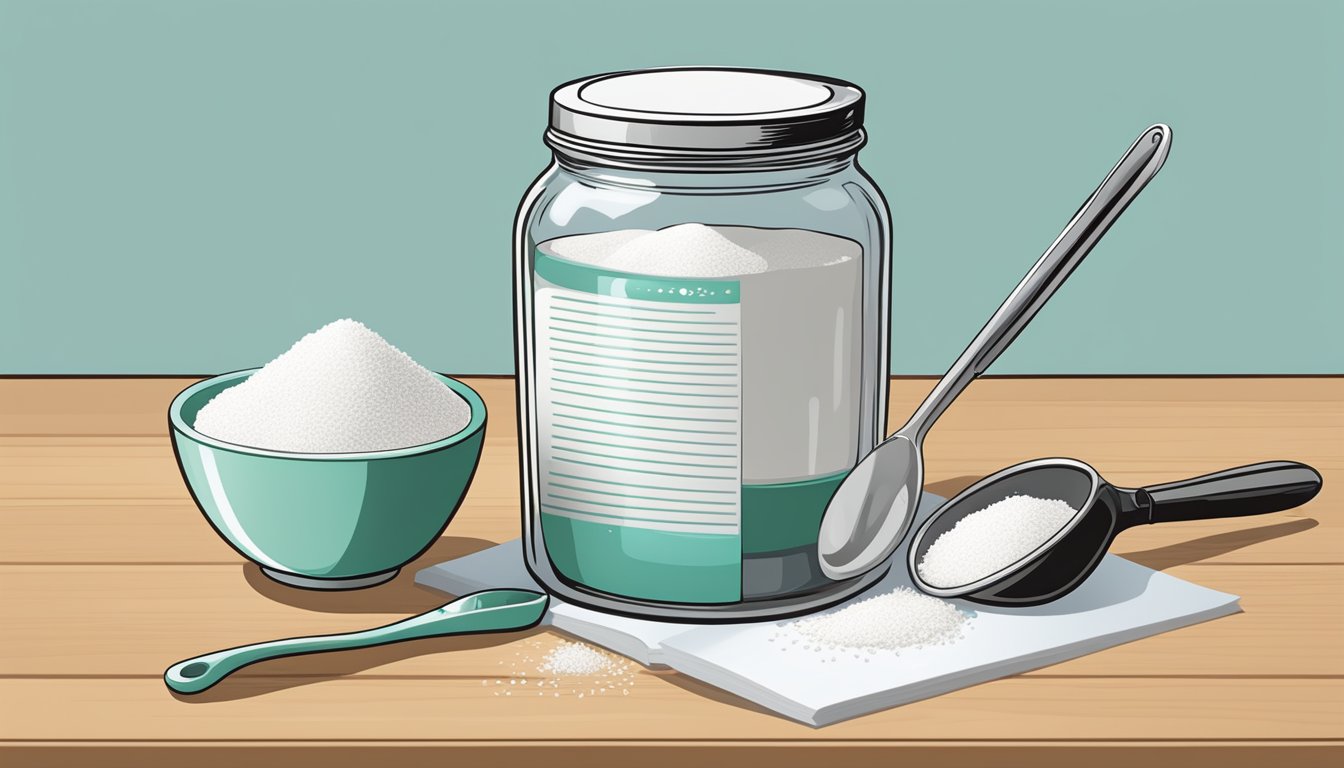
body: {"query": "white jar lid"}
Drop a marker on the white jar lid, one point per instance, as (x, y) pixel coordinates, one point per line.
(705, 109)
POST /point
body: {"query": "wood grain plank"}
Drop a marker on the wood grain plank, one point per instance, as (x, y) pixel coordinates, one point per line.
(147, 617)
(144, 467)
(159, 530)
(678, 754)
(139, 406)
(116, 468)
(170, 530)
(117, 406)
(368, 709)
(55, 491)
(87, 476)
(163, 530)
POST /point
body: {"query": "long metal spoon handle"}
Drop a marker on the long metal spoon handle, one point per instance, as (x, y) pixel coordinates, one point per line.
(1097, 214)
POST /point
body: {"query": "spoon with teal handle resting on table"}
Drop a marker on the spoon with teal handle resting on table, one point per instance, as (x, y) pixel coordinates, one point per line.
(496, 610)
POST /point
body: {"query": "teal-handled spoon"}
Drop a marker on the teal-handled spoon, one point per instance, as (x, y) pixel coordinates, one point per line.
(495, 610)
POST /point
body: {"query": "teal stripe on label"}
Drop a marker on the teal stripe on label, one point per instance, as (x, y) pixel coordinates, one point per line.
(779, 516)
(652, 565)
(625, 285)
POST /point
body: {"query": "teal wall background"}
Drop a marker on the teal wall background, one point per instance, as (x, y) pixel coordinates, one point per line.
(191, 185)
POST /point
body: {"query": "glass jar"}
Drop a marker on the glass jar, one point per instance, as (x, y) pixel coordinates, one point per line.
(702, 320)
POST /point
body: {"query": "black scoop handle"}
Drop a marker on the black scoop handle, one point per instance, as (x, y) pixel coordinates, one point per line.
(1256, 489)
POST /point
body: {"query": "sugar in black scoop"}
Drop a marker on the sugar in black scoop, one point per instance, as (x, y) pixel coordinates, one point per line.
(1057, 566)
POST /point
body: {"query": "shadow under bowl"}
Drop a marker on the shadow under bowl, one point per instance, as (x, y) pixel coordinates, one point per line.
(325, 520)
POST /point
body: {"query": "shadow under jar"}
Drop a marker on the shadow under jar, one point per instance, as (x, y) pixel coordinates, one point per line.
(702, 326)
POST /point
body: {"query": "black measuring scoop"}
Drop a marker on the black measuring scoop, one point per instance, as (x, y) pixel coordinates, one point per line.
(1067, 558)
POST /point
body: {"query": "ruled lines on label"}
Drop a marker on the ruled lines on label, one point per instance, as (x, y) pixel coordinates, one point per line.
(640, 408)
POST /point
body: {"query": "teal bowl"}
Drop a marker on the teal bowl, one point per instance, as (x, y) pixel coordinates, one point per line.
(325, 520)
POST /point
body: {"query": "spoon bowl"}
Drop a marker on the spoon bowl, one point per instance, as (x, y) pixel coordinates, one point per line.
(871, 511)
(1058, 564)
(1062, 562)
(875, 508)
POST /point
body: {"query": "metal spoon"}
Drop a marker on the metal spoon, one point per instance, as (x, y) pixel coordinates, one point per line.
(872, 509)
(496, 610)
(1067, 558)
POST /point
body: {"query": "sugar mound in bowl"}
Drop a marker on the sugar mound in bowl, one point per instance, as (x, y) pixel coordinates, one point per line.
(340, 389)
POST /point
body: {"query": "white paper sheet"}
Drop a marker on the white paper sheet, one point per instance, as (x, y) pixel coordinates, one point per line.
(1119, 603)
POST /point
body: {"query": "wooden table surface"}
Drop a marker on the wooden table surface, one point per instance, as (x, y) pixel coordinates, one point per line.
(108, 573)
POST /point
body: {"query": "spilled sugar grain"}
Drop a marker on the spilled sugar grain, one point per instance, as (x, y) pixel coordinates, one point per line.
(340, 389)
(565, 669)
(991, 539)
(899, 620)
(575, 659)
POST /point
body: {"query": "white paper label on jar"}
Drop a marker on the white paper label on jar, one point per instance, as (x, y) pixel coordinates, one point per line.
(640, 406)
(638, 398)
